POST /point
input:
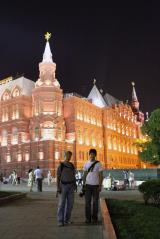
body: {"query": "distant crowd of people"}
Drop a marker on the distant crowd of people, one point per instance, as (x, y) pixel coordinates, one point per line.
(38, 176)
(110, 183)
(34, 176)
(13, 178)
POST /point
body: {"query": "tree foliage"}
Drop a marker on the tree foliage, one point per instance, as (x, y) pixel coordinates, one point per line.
(151, 148)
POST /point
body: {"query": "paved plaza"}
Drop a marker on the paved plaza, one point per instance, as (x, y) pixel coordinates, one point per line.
(34, 217)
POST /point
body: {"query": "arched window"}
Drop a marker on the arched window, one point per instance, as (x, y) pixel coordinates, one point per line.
(4, 137)
(14, 135)
(6, 95)
(16, 91)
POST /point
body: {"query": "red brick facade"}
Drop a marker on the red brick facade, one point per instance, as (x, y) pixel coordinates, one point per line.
(38, 123)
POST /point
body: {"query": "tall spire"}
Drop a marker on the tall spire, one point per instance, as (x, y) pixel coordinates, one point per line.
(47, 68)
(47, 56)
(134, 103)
(134, 95)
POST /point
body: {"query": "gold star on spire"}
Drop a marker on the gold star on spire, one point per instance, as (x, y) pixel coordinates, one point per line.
(133, 83)
(94, 81)
(47, 36)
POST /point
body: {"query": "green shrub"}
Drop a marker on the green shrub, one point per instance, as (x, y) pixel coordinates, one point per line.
(134, 220)
(151, 191)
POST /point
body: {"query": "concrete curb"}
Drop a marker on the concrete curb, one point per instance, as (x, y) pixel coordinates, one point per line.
(12, 198)
(108, 229)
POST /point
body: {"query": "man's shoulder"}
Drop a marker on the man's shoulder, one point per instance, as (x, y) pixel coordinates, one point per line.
(87, 163)
(65, 164)
(98, 164)
(69, 164)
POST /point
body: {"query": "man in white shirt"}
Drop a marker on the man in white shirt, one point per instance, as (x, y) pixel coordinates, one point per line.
(92, 181)
(39, 177)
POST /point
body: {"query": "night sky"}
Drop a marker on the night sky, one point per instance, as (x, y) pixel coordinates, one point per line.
(114, 44)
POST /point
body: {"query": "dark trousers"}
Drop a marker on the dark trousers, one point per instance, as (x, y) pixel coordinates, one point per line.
(39, 184)
(91, 202)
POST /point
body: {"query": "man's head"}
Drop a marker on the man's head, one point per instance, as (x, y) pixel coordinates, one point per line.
(37, 167)
(67, 155)
(92, 153)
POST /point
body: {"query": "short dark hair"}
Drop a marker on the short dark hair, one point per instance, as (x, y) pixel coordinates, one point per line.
(67, 153)
(37, 166)
(93, 151)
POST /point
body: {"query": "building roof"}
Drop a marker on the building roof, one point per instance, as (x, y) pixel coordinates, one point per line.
(23, 83)
(101, 101)
(110, 100)
(47, 55)
(96, 97)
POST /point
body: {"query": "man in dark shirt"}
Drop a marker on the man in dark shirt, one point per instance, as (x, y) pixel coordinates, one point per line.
(66, 183)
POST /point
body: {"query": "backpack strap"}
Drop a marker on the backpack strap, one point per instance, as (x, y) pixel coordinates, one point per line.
(92, 166)
(70, 166)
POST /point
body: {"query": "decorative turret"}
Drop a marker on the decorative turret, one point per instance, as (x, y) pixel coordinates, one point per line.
(135, 102)
(47, 67)
(47, 122)
(135, 105)
(47, 56)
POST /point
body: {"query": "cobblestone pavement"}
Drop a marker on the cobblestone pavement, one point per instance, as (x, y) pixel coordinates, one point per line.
(34, 217)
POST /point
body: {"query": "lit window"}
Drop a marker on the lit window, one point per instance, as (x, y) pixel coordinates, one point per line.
(4, 137)
(19, 157)
(119, 147)
(57, 155)
(41, 155)
(16, 112)
(27, 157)
(4, 114)
(23, 137)
(8, 158)
(16, 93)
(14, 139)
(6, 95)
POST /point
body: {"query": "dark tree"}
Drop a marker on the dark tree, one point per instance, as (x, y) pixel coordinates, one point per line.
(151, 148)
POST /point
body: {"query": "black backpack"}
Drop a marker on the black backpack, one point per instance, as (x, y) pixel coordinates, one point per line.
(67, 173)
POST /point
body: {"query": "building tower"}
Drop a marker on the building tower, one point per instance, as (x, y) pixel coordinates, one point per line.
(47, 123)
(135, 105)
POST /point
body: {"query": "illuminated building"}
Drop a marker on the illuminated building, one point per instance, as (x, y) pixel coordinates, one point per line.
(38, 123)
